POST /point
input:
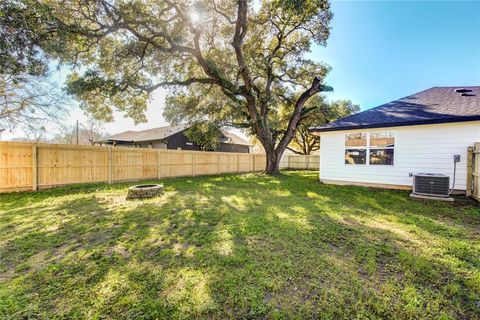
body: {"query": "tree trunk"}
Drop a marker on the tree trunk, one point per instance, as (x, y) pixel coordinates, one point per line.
(273, 163)
(274, 154)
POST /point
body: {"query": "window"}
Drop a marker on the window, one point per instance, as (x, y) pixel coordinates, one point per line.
(381, 148)
(373, 148)
(356, 148)
(355, 156)
(381, 156)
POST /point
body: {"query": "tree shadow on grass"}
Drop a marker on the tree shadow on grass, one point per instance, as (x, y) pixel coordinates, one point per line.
(233, 247)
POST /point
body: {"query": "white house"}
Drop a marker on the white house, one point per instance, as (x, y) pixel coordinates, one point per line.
(385, 145)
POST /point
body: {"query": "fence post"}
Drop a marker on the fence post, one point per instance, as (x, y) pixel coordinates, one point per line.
(34, 168)
(218, 163)
(253, 169)
(238, 163)
(109, 166)
(469, 171)
(193, 163)
(158, 165)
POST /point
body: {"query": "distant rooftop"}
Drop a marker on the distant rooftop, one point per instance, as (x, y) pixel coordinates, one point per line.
(434, 105)
(149, 134)
(165, 132)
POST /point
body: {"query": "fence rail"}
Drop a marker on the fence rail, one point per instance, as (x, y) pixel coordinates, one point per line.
(30, 166)
(473, 171)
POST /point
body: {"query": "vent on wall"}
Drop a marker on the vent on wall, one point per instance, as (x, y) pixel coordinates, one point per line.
(431, 184)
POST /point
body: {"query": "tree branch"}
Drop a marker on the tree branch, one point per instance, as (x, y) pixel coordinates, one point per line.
(186, 82)
(292, 124)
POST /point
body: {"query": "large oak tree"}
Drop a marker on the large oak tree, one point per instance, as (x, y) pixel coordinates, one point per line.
(240, 63)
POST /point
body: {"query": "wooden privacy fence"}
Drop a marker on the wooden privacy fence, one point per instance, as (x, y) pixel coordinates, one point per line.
(295, 161)
(30, 166)
(473, 171)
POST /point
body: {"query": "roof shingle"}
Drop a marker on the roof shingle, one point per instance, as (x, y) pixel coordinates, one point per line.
(435, 105)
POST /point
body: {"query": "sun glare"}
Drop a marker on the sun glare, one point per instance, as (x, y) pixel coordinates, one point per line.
(195, 17)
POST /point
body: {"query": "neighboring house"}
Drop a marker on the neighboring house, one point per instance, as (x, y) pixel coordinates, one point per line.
(417, 134)
(172, 137)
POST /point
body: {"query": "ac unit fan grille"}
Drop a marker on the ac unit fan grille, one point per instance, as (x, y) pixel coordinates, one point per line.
(432, 185)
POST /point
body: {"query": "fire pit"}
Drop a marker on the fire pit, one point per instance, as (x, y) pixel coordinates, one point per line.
(144, 191)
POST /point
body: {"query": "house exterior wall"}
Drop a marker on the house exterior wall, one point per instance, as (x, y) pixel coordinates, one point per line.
(180, 140)
(423, 148)
(155, 144)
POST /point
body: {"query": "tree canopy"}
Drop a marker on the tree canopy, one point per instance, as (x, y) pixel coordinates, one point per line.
(28, 33)
(241, 63)
(205, 134)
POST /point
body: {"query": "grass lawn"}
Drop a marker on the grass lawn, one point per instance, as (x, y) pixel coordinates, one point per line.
(238, 246)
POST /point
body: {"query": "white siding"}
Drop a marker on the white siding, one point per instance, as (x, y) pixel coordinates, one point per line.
(424, 148)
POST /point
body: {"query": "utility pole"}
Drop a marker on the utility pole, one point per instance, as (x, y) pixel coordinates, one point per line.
(77, 132)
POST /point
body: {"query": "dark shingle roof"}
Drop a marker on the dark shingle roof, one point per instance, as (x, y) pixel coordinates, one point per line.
(435, 105)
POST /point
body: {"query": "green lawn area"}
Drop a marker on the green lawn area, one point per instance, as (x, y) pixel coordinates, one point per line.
(238, 246)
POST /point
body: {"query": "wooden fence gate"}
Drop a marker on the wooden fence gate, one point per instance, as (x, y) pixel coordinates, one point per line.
(473, 171)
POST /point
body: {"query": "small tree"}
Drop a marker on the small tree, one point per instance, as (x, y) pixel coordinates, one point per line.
(240, 62)
(29, 102)
(89, 132)
(321, 112)
(205, 134)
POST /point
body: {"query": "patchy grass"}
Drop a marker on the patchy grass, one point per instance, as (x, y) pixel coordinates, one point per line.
(238, 246)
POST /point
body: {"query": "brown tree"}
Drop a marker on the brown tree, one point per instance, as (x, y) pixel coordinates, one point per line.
(240, 63)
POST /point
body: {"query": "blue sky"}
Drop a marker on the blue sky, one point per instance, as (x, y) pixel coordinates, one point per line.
(379, 51)
(383, 50)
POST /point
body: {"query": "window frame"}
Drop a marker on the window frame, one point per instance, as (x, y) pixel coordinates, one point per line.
(368, 147)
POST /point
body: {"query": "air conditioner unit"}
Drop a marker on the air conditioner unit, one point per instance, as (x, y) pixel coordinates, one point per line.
(431, 184)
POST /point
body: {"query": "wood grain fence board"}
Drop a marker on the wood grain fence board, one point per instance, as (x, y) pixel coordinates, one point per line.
(26, 166)
(133, 164)
(16, 167)
(228, 163)
(177, 163)
(300, 162)
(475, 174)
(70, 165)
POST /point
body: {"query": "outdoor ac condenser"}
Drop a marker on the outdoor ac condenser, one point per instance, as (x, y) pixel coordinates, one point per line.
(431, 184)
